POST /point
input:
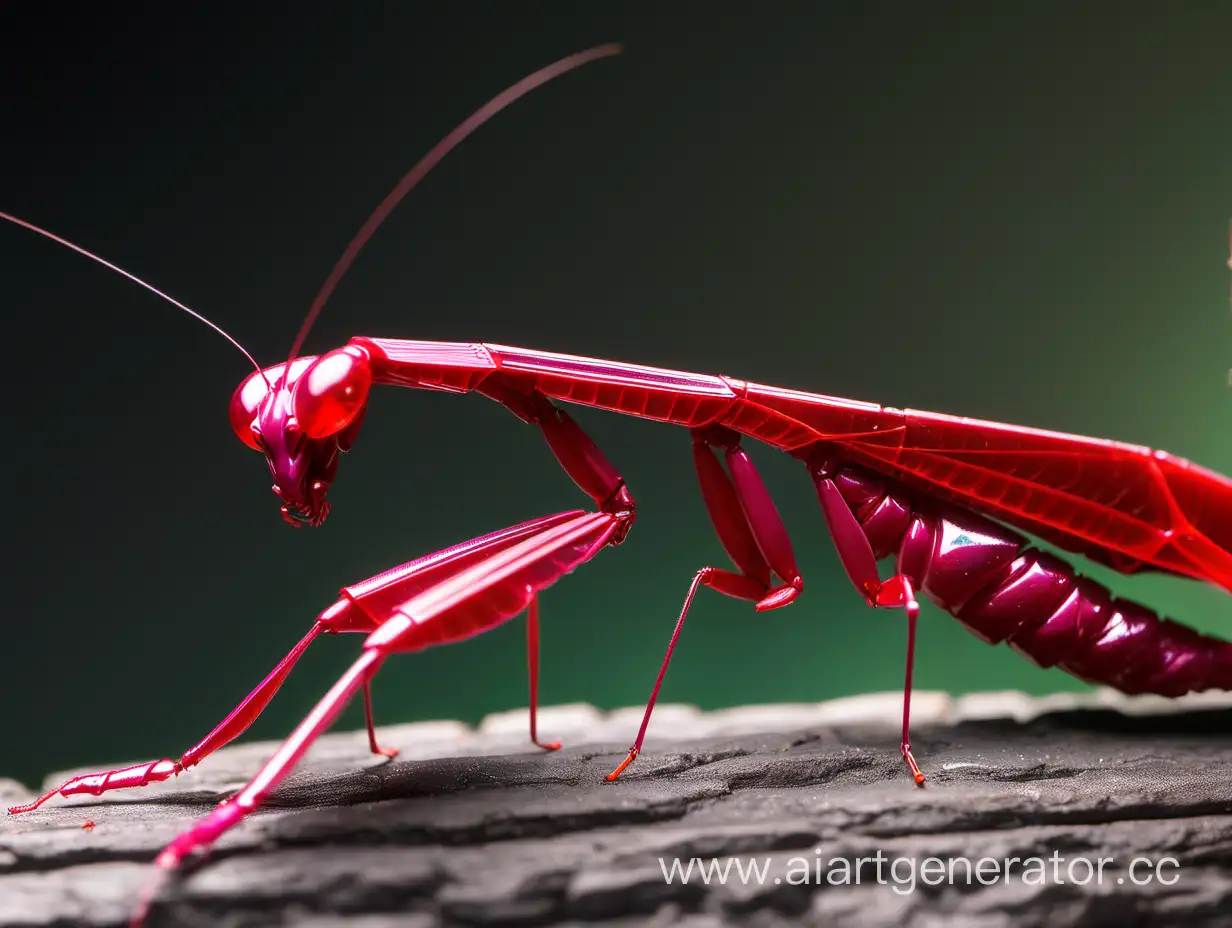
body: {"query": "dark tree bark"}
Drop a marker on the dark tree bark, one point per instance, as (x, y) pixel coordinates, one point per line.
(468, 828)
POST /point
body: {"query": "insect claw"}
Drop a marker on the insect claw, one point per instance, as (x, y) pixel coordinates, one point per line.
(633, 752)
(916, 773)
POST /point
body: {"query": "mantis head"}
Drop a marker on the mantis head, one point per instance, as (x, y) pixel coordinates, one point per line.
(301, 415)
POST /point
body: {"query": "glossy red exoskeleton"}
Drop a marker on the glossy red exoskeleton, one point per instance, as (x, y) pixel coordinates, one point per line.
(948, 497)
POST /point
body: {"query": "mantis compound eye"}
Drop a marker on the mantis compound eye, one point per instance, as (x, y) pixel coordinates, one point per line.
(243, 410)
(332, 392)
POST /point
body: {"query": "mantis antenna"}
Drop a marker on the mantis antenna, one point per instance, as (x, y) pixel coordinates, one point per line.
(135, 279)
(429, 161)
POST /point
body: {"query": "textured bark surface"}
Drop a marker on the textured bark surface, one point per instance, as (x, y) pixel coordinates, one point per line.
(468, 827)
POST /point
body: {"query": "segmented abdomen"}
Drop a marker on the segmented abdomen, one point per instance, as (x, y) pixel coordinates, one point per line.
(1001, 589)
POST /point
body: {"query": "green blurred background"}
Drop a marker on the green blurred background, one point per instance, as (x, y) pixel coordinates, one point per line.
(1020, 217)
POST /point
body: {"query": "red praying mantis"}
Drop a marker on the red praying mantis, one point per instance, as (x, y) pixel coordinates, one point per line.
(948, 497)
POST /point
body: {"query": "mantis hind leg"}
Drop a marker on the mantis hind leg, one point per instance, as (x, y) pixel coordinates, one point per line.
(856, 554)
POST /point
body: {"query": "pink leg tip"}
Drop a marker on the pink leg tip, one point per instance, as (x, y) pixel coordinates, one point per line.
(201, 835)
(31, 806)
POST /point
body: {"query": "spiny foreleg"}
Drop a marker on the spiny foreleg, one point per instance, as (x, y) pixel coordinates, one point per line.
(470, 588)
